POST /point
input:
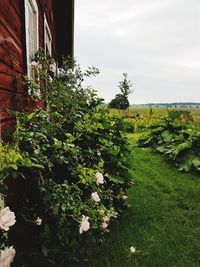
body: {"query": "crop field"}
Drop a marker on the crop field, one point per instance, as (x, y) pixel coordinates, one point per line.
(154, 113)
(150, 115)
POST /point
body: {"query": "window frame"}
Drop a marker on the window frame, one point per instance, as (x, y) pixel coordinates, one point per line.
(33, 4)
(47, 32)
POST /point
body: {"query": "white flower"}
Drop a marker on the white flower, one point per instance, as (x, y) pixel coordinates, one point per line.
(132, 249)
(7, 218)
(104, 225)
(95, 197)
(34, 64)
(106, 218)
(60, 71)
(50, 79)
(38, 221)
(7, 257)
(99, 178)
(39, 66)
(99, 153)
(52, 67)
(124, 197)
(85, 225)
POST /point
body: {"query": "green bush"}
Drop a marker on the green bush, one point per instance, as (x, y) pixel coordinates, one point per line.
(78, 176)
(177, 139)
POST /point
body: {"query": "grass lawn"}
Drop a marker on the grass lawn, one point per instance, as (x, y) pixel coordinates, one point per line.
(163, 222)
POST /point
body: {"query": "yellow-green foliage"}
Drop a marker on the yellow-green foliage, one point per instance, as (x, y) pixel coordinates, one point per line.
(9, 158)
(150, 116)
(144, 111)
(157, 112)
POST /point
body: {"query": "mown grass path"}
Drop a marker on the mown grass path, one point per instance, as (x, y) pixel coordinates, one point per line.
(163, 222)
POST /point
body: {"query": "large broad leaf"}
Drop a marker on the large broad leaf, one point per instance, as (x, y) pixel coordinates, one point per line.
(183, 146)
(161, 149)
(196, 163)
(157, 129)
(187, 162)
(167, 136)
(185, 166)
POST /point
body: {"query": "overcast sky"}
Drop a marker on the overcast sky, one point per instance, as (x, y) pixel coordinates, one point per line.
(157, 42)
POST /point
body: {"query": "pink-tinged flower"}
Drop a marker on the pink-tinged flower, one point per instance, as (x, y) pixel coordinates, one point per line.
(124, 197)
(7, 257)
(39, 66)
(7, 218)
(99, 178)
(85, 225)
(95, 197)
(34, 64)
(106, 218)
(104, 225)
(52, 67)
(38, 221)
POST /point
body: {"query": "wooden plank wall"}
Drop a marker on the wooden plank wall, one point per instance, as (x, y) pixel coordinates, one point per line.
(13, 54)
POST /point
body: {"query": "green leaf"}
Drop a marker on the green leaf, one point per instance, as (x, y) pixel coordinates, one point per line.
(31, 115)
(45, 251)
(13, 166)
(196, 162)
(57, 143)
(115, 179)
(101, 164)
(183, 146)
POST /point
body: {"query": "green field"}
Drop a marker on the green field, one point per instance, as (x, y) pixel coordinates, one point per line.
(157, 112)
(150, 115)
(162, 222)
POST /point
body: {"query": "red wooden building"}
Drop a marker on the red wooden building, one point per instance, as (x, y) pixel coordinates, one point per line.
(25, 26)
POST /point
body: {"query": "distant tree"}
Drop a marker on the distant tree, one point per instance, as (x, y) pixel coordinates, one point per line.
(121, 100)
(125, 86)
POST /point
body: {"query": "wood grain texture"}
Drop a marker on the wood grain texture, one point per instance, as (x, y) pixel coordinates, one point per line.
(13, 51)
(11, 24)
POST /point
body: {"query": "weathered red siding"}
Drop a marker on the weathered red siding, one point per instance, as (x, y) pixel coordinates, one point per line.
(13, 53)
(11, 56)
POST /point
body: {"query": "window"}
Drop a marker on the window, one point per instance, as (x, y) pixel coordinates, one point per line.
(32, 39)
(47, 38)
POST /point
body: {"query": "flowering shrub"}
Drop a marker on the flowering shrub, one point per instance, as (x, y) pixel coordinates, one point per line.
(9, 160)
(7, 257)
(7, 218)
(7, 254)
(75, 166)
